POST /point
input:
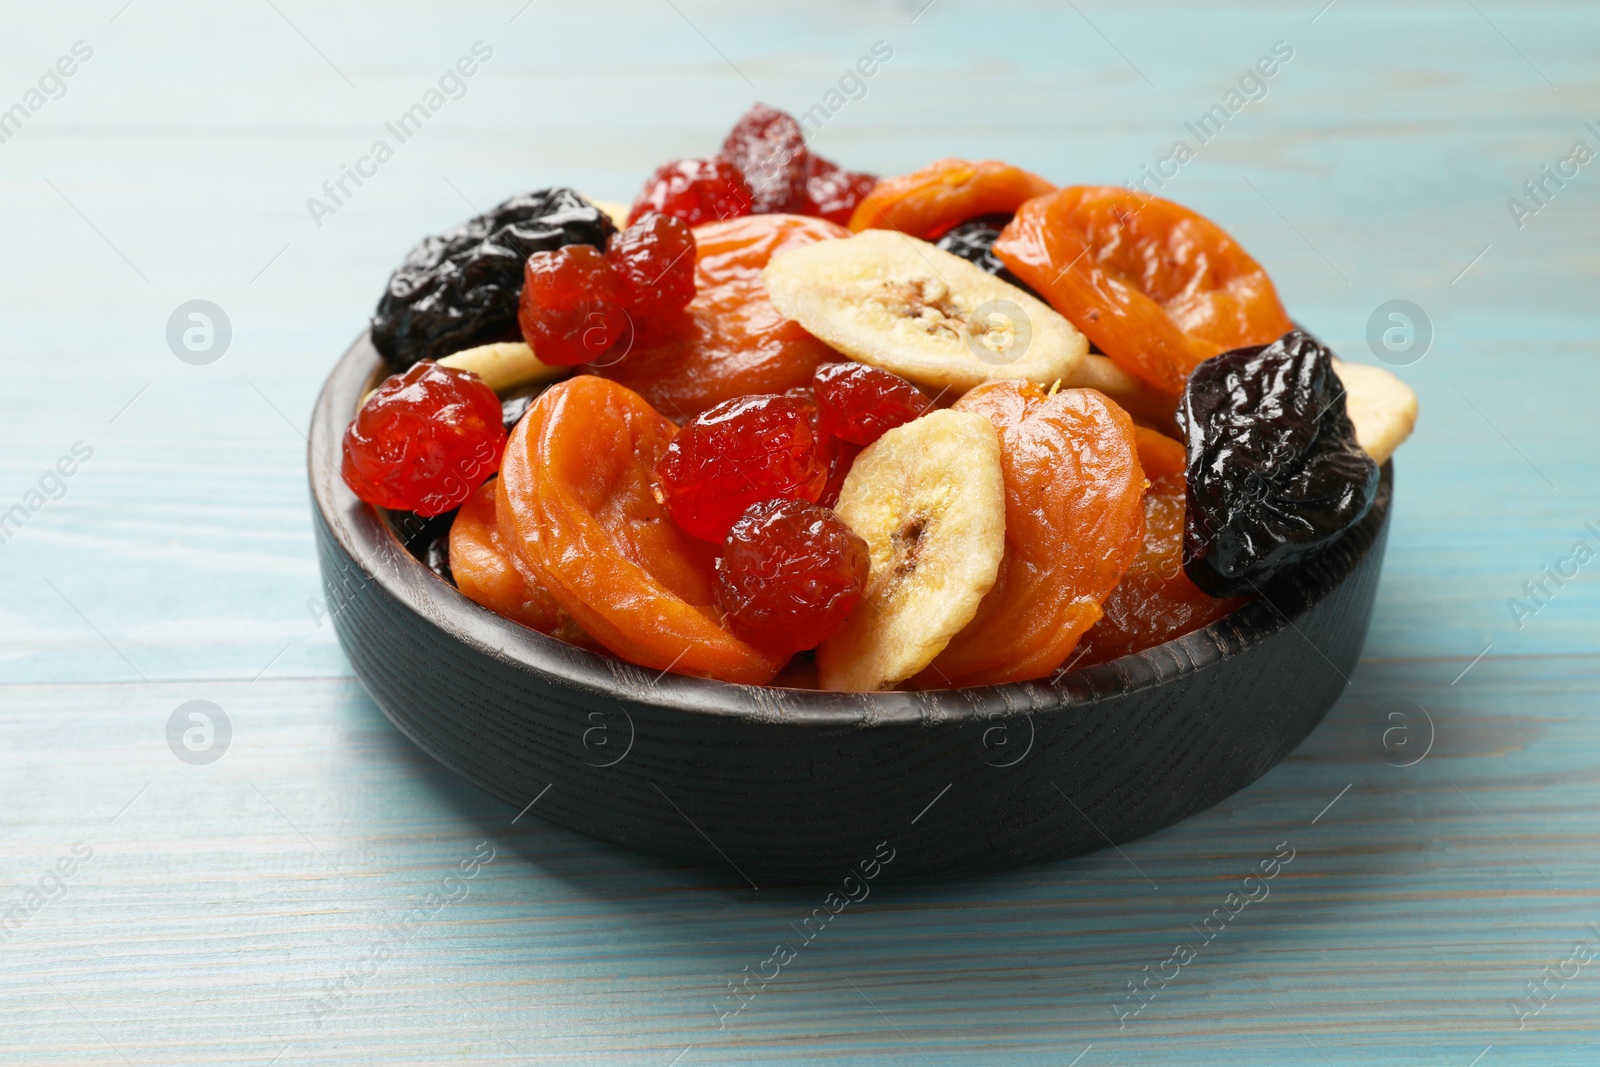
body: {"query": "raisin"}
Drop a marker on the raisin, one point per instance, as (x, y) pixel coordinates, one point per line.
(694, 190)
(769, 148)
(790, 576)
(459, 288)
(424, 440)
(1274, 470)
(574, 306)
(832, 192)
(740, 451)
(859, 404)
(654, 258)
(973, 241)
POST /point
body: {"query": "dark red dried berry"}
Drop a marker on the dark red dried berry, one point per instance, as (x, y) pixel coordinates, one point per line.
(742, 450)
(790, 575)
(424, 441)
(860, 404)
(654, 258)
(694, 190)
(769, 148)
(832, 192)
(573, 305)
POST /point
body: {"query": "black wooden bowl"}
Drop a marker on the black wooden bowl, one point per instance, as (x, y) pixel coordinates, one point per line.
(796, 785)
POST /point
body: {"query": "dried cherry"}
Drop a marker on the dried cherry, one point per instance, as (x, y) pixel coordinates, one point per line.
(1155, 286)
(459, 288)
(574, 306)
(1274, 469)
(576, 507)
(424, 440)
(694, 190)
(928, 202)
(731, 342)
(743, 450)
(790, 575)
(769, 148)
(859, 404)
(654, 258)
(832, 192)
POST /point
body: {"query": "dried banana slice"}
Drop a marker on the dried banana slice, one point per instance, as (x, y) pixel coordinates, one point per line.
(1382, 408)
(929, 500)
(892, 301)
(504, 365)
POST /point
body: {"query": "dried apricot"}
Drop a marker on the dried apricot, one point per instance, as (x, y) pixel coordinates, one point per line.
(487, 574)
(1155, 601)
(928, 202)
(577, 506)
(1074, 521)
(732, 341)
(1159, 454)
(1155, 286)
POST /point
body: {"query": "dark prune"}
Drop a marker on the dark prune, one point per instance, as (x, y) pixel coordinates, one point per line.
(1274, 472)
(973, 241)
(426, 538)
(459, 288)
(512, 408)
(769, 148)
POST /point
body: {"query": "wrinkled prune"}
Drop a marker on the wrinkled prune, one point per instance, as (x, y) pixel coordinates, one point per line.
(459, 288)
(974, 240)
(1274, 470)
(512, 408)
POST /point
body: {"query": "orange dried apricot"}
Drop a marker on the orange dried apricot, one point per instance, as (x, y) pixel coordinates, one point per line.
(576, 505)
(928, 202)
(1074, 521)
(731, 341)
(1155, 601)
(1155, 286)
(1159, 454)
(487, 574)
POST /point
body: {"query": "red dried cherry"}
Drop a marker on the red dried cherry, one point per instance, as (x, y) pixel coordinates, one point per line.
(769, 148)
(573, 305)
(860, 404)
(654, 258)
(742, 450)
(424, 441)
(791, 575)
(694, 190)
(832, 192)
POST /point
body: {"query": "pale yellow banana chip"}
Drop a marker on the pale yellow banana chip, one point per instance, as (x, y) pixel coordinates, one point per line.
(929, 500)
(1382, 408)
(892, 301)
(505, 365)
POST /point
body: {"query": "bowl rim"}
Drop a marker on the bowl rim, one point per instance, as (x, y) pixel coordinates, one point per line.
(370, 543)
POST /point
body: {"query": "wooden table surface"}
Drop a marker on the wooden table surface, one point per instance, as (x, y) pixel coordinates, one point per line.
(247, 911)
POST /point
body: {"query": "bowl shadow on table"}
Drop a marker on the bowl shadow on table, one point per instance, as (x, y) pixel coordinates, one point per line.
(1071, 932)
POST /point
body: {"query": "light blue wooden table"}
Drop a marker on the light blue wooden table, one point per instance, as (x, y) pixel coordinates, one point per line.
(244, 911)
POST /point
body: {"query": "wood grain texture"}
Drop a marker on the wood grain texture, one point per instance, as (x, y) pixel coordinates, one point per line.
(179, 563)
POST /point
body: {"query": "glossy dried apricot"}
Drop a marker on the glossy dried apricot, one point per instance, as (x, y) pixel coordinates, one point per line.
(731, 341)
(1155, 286)
(1074, 521)
(928, 202)
(1155, 601)
(487, 574)
(576, 504)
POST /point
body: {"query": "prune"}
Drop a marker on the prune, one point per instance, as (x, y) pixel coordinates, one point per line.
(437, 558)
(694, 190)
(424, 440)
(860, 404)
(973, 241)
(736, 453)
(512, 408)
(769, 148)
(573, 306)
(1274, 470)
(459, 288)
(790, 575)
